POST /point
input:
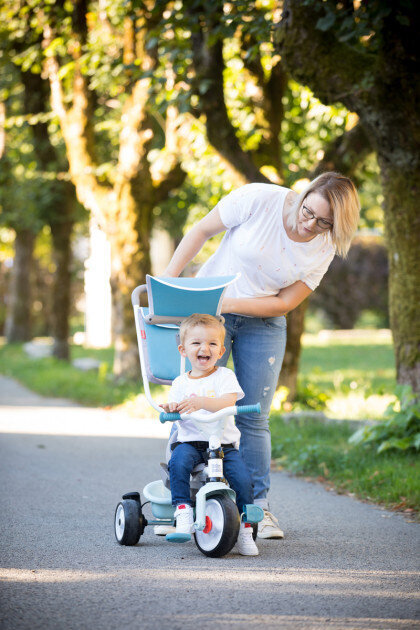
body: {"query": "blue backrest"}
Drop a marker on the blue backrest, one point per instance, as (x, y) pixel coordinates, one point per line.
(170, 301)
(160, 347)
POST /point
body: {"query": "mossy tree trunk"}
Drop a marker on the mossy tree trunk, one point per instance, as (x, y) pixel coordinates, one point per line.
(381, 84)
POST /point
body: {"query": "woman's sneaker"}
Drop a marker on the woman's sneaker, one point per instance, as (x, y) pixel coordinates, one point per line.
(269, 527)
(162, 530)
(245, 545)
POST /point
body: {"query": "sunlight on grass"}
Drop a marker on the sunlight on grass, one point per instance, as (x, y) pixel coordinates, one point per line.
(354, 406)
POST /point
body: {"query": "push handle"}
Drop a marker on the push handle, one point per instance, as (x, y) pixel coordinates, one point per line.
(172, 417)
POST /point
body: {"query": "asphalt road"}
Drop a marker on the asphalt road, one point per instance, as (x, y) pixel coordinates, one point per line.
(342, 564)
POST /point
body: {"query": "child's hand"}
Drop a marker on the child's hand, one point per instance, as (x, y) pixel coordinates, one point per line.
(171, 407)
(189, 405)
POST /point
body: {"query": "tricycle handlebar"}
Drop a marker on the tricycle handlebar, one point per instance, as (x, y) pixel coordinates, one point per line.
(235, 410)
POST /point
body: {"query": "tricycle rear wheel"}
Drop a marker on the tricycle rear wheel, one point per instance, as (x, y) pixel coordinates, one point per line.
(128, 522)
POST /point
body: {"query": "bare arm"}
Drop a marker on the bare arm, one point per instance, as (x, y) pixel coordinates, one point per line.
(193, 241)
(270, 306)
(209, 404)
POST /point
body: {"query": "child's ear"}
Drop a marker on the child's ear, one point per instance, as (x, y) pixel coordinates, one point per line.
(181, 350)
(222, 351)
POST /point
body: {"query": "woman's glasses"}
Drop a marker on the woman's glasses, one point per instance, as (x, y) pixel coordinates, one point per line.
(321, 223)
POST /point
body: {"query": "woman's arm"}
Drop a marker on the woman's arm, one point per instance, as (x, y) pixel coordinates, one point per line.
(270, 306)
(193, 241)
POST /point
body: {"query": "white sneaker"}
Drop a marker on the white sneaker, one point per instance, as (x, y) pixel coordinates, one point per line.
(184, 517)
(162, 530)
(245, 545)
(269, 527)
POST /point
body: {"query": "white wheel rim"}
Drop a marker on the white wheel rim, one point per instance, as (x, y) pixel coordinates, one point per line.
(119, 522)
(209, 541)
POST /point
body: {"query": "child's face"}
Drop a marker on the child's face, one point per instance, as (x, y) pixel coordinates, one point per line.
(203, 346)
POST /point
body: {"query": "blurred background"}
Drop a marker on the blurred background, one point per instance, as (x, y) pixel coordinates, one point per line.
(122, 123)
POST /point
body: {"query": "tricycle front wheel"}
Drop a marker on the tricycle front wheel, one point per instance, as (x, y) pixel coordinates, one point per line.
(222, 527)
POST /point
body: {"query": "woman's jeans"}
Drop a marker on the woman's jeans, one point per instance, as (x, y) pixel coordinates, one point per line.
(257, 346)
(185, 457)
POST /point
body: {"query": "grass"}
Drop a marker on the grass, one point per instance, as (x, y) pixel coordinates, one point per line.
(51, 377)
(321, 451)
(356, 371)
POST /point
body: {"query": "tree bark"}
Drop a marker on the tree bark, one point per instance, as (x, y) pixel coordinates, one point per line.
(18, 319)
(62, 254)
(290, 367)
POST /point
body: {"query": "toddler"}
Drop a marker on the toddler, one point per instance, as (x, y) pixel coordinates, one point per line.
(206, 387)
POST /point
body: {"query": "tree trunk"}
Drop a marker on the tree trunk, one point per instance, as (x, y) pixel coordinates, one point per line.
(18, 319)
(290, 367)
(61, 237)
(378, 82)
(402, 224)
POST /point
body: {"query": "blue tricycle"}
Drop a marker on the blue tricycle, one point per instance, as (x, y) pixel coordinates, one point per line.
(217, 520)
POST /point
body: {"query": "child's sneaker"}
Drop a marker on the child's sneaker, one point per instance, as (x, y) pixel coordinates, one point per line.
(245, 544)
(184, 517)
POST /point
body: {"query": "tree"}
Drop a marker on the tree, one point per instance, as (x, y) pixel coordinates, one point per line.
(52, 198)
(364, 55)
(240, 31)
(99, 63)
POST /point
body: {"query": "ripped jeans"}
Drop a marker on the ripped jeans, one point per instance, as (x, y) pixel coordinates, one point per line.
(257, 346)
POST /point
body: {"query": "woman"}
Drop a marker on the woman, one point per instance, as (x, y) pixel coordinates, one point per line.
(282, 244)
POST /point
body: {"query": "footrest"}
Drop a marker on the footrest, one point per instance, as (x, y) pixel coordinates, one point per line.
(252, 513)
(178, 538)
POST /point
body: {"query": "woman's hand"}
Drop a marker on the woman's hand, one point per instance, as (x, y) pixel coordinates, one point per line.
(227, 305)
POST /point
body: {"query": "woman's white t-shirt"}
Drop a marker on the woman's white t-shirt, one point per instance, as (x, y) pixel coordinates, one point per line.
(222, 381)
(257, 246)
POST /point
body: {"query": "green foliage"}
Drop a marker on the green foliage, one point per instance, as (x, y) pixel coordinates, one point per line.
(362, 279)
(322, 451)
(401, 428)
(360, 24)
(310, 396)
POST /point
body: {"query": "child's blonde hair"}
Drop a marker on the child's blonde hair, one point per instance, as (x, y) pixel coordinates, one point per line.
(200, 319)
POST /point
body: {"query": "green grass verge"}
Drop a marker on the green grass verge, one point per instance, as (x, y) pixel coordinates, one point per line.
(321, 451)
(51, 377)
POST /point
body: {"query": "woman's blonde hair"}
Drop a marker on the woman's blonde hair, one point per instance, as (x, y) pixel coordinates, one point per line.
(341, 194)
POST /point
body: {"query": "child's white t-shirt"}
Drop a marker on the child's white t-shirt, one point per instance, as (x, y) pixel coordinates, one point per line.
(222, 381)
(256, 245)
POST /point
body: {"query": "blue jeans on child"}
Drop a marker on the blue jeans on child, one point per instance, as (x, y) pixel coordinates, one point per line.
(185, 457)
(257, 345)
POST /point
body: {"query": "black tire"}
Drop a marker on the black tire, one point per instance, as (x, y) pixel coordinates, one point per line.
(128, 522)
(254, 531)
(225, 527)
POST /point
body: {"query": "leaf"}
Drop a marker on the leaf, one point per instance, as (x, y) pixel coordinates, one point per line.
(326, 22)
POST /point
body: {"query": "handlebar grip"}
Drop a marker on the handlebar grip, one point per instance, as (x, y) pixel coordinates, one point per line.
(249, 408)
(169, 417)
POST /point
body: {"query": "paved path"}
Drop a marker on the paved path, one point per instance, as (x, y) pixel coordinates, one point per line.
(343, 564)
